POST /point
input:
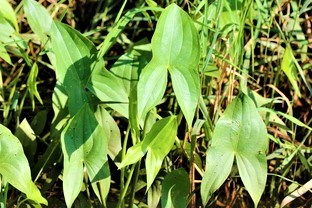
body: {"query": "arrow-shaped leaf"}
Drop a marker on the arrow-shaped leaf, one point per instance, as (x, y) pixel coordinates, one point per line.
(83, 143)
(157, 143)
(239, 132)
(175, 46)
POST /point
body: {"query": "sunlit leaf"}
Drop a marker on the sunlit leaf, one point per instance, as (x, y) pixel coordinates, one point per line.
(14, 166)
(27, 137)
(151, 87)
(38, 18)
(32, 85)
(41, 23)
(186, 87)
(218, 167)
(163, 132)
(128, 67)
(10, 37)
(239, 132)
(75, 60)
(7, 12)
(116, 30)
(108, 88)
(83, 143)
(4, 54)
(134, 154)
(111, 130)
(288, 117)
(175, 47)
(290, 69)
(101, 187)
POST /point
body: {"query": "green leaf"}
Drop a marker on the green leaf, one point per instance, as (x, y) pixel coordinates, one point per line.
(83, 143)
(239, 132)
(59, 104)
(175, 46)
(111, 130)
(38, 18)
(151, 87)
(176, 41)
(9, 36)
(38, 123)
(154, 194)
(186, 86)
(14, 166)
(128, 67)
(7, 12)
(163, 132)
(109, 89)
(231, 14)
(41, 23)
(111, 38)
(290, 69)
(101, 187)
(75, 60)
(27, 137)
(32, 85)
(4, 55)
(218, 167)
(175, 189)
(288, 117)
(134, 154)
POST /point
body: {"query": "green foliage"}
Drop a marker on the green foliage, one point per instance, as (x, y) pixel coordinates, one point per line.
(14, 166)
(289, 67)
(240, 133)
(175, 189)
(205, 112)
(84, 143)
(162, 132)
(175, 48)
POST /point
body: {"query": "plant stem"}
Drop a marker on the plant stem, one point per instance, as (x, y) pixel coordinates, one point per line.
(134, 182)
(122, 172)
(125, 188)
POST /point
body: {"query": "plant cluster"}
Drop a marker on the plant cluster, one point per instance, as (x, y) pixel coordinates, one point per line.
(155, 103)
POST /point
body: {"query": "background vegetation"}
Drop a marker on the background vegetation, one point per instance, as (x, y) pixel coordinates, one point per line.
(56, 95)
